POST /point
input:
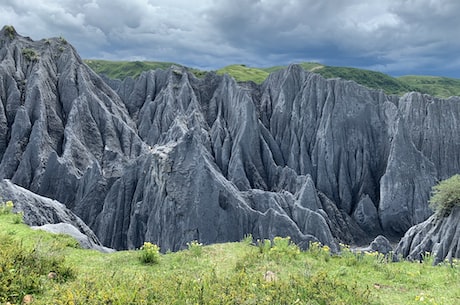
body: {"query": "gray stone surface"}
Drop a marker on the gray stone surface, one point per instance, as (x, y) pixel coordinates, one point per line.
(50, 215)
(380, 244)
(169, 158)
(438, 235)
(66, 228)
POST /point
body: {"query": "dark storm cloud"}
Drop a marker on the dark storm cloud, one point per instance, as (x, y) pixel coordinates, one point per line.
(395, 36)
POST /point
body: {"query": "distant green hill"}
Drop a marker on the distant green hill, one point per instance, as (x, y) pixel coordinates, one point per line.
(123, 69)
(433, 85)
(436, 86)
(242, 73)
(368, 78)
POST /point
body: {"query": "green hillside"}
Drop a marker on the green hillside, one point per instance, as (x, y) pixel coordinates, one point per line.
(242, 73)
(52, 269)
(433, 85)
(367, 78)
(123, 69)
(371, 79)
(436, 86)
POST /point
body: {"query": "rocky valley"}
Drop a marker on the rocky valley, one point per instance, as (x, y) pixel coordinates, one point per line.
(170, 158)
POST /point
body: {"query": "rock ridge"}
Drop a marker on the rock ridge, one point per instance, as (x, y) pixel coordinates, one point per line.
(170, 158)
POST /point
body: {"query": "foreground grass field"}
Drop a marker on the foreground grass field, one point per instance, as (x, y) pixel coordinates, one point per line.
(231, 273)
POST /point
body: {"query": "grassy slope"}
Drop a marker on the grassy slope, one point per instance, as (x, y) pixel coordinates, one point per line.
(433, 85)
(123, 69)
(243, 73)
(436, 86)
(233, 273)
(367, 78)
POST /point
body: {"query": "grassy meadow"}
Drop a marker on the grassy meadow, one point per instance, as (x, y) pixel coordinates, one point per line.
(46, 268)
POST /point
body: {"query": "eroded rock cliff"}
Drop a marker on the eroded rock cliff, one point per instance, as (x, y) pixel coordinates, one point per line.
(438, 235)
(170, 158)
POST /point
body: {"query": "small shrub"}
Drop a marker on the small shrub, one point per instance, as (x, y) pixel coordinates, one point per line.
(62, 40)
(446, 195)
(6, 207)
(320, 251)
(247, 240)
(283, 247)
(10, 31)
(195, 248)
(18, 217)
(264, 246)
(149, 253)
(30, 54)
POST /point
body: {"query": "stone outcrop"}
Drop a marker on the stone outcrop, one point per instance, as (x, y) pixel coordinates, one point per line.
(50, 215)
(170, 158)
(438, 235)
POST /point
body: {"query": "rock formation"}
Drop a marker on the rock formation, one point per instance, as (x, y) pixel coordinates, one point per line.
(438, 235)
(50, 215)
(170, 158)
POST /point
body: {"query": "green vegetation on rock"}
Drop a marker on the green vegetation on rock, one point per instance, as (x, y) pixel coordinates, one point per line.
(446, 195)
(30, 54)
(10, 31)
(269, 272)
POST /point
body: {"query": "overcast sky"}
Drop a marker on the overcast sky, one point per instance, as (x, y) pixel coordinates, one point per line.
(397, 37)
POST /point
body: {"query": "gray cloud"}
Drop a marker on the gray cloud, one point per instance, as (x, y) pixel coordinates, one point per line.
(395, 36)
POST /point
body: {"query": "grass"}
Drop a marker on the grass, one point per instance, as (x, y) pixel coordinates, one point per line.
(433, 85)
(123, 69)
(243, 73)
(233, 273)
(371, 79)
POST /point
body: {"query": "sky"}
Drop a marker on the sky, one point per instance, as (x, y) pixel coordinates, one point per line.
(397, 37)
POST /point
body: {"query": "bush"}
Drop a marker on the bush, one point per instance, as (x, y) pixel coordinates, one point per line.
(149, 253)
(62, 40)
(10, 31)
(30, 54)
(195, 248)
(18, 217)
(6, 207)
(284, 248)
(446, 195)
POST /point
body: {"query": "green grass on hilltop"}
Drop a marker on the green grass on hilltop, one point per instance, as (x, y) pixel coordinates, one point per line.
(123, 69)
(371, 79)
(243, 73)
(436, 86)
(433, 85)
(231, 273)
